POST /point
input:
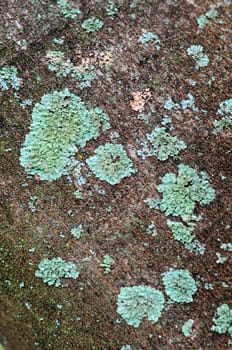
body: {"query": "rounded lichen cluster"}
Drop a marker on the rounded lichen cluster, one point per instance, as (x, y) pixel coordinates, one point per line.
(181, 193)
(223, 320)
(60, 124)
(179, 285)
(111, 163)
(164, 145)
(135, 303)
(52, 270)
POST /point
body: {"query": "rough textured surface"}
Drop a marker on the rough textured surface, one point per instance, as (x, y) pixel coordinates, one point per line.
(132, 83)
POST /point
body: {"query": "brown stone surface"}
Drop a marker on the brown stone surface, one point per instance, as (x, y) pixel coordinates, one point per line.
(88, 317)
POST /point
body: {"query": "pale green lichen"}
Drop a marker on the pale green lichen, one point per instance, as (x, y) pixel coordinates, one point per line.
(111, 9)
(187, 328)
(151, 230)
(220, 259)
(179, 285)
(63, 67)
(153, 203)
(138, 302)
(9, 78)
(204, 20)
(181, 232)
(92, 24)
(58, 63)
(226, 246)
(196, 247)
(150, 37)
(77, 231)
(60, 124)
(51, 271)
(67, 9)
(161, 144)
(164, 144)
(107, 263)
(223, 320)
(78, 194)
(110, 163)
(224, 110)
(181, 193)
(196, 51)
(183, 104)
(208, 286)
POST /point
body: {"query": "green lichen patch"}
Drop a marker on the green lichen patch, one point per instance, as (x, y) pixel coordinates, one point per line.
(182, 193)
(58, 63)
(181, 232)
(183, 104)
(205, 20)
(9, 78)
(179, 285)
(150, 37)
(138, 302)
(92, 24)
(107, 263)
(162, 145)
(77, 231)
(196, 51)
(67, 9)
(60, 124)
(223, 320)
(51, 271)
(61, 65)
(187, 328)
(225, 111)
(111, 163)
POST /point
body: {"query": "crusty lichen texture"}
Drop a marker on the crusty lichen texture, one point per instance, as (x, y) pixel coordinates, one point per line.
(138, 302)
(111, 163)
(60, 124)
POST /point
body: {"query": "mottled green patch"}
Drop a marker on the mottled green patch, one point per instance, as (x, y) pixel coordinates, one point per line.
(60, 124)
(111, 163)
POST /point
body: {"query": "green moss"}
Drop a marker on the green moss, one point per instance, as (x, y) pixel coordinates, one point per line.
(36, 327)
